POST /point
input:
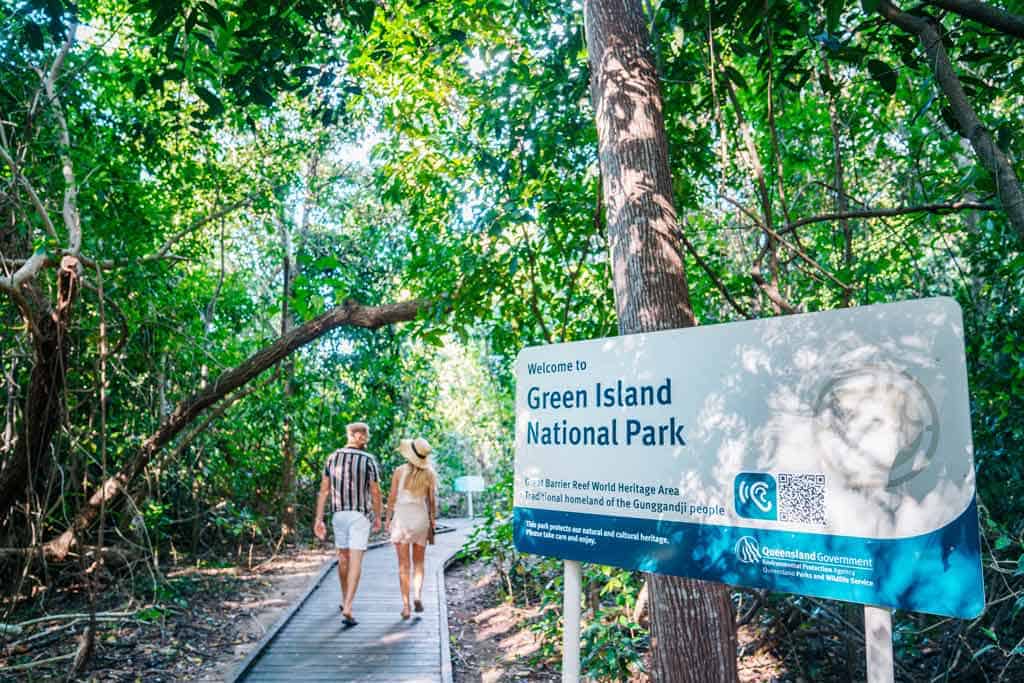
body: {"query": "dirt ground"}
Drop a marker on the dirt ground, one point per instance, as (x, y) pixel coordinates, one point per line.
(203, 626)
(491, 641)
(199, 626)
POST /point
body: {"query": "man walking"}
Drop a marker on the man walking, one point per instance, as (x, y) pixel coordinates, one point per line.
(352, 478)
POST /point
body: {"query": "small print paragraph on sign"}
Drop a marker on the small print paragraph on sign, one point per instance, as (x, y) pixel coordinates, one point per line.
(567, 533)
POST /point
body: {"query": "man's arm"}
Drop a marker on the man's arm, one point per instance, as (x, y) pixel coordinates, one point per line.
(375, 495)
(321, 499)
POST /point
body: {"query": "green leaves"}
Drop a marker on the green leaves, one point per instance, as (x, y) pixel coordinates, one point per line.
(214, 15)
(884, 74)
(833, 12)
(166, 11)
(213, 103)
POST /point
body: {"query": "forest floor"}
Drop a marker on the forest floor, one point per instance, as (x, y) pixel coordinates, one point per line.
(491, 638)
(492, 641)
(196, 625)
(203, 619)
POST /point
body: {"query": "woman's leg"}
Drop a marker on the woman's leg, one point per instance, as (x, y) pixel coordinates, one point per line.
(418, 555)
(403, 575)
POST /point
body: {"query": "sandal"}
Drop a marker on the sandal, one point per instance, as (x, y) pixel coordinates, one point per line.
(405, 613)
(347, 619)
(417, 605)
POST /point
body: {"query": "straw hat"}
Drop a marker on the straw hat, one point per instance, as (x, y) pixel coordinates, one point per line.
(416, 451)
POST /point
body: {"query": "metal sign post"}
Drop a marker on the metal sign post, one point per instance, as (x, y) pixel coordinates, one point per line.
(878, 640)
(573, 595)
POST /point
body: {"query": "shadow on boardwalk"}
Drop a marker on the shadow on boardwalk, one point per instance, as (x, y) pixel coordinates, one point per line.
(313, 644)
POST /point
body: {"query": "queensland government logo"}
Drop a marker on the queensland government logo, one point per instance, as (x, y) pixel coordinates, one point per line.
(756, 495)
(747, 549)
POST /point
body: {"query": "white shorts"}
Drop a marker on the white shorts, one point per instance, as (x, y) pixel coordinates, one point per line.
(351, 529)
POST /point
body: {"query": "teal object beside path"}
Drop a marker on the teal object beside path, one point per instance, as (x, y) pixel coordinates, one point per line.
(469, 484)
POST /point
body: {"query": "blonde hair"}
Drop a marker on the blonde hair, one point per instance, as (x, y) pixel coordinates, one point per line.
(419, 480)
(358, 428)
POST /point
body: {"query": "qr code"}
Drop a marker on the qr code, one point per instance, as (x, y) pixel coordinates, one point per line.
(802, 498)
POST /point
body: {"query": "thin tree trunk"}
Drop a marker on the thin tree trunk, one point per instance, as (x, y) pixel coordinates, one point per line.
(692, 625)
(292, 270)
(287, 438)
(10, 403)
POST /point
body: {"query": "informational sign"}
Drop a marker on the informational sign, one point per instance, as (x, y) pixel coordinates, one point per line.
(469, 484)
(826, 454)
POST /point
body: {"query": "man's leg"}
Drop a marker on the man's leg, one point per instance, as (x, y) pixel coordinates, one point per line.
(355, 568)
(343, 563)
(358, 534)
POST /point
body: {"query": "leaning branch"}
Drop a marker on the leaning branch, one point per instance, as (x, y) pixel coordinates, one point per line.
(994, 17)
(885, 213)
(44, 215)
(992, 157)
(28, 270)
(198, 223)
(713, 275)
(349, 314)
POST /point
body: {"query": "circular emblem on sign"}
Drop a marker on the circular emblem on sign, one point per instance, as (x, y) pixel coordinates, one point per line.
(876, 425)
(747, 550)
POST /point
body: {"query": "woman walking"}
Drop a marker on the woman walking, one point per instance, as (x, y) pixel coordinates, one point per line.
(412, 507)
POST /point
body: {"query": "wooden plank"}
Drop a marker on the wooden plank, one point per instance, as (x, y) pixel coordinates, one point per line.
(279, 624)
(314, 645)
(257, 677)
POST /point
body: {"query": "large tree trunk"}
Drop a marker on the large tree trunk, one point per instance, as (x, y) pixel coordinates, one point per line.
(692, 625)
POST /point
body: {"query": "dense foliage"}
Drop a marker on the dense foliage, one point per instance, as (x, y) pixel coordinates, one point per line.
(240, 168)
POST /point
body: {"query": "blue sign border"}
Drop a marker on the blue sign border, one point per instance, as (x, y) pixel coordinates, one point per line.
(936, 573)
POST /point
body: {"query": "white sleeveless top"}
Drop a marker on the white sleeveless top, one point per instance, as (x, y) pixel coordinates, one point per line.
(405, 496)
(411, 522)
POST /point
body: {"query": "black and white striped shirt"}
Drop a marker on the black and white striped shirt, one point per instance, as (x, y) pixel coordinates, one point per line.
(351, 471)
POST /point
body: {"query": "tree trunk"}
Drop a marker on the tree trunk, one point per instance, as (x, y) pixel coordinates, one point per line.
(292, 270)
(692, 626)
(287, 438)
(30, 460)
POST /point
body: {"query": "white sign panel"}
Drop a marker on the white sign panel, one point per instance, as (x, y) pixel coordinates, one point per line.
(826, 454)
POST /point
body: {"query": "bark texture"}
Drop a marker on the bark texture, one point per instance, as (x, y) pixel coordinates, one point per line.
(692, 624)
(647, 268)
(999, 19)
(29, 463)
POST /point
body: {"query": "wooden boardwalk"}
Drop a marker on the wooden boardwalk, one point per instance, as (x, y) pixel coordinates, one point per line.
(313, 644)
